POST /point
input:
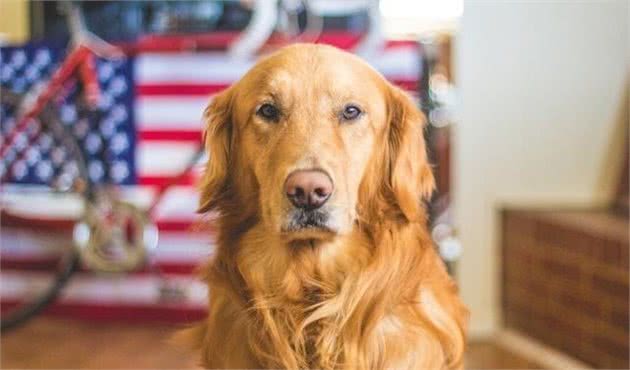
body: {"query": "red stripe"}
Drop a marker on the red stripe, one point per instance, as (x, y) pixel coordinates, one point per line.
(30, 263)
(42, 224)
(222, 40)
(46, 264)
(209, 89)
(163, 312)
(209, 41)
(176, 225)
(67, 224)
(177, 268)
(393, 44)
(166, 89)
(170, 135)
(179, 89)
(408, 85)
(160, 181)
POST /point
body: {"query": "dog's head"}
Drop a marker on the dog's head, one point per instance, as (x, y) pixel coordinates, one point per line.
(312, 141)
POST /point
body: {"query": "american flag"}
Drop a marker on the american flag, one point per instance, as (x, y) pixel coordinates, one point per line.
(106, 135)
(148, 130)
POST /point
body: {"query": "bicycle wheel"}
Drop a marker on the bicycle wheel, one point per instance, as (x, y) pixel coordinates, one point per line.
(42, 191)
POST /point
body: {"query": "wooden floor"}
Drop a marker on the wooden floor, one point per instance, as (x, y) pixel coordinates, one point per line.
(48, 343)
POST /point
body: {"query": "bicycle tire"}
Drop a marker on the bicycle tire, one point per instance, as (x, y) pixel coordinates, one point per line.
(68, 259)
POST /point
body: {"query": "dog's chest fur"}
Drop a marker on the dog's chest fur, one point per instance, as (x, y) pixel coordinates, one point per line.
(309, 309)
(321, 317)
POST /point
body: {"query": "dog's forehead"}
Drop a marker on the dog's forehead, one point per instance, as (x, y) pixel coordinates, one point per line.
(325, 68)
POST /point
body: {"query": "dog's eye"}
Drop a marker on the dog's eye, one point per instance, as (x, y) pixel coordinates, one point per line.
(351, 112)
(268, 112)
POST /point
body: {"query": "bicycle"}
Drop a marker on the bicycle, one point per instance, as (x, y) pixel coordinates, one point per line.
(109, 234)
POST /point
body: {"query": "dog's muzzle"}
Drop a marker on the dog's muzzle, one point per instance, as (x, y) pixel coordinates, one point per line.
(301, 219)
(308, 191)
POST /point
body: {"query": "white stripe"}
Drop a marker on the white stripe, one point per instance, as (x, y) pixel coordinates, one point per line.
(179, 247)
(22, 245)
(39, 203)
(170, 112)
(184, 247)
(192, 68)
(402, 62)
(106, 289)
(163, 158)
(179, 203)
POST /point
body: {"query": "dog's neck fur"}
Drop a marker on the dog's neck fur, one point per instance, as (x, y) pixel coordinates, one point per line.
(324, 306)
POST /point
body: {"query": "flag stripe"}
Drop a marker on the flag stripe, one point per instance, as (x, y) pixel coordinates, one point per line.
(88, 288)
(164, 158)
(170, 135)
(161, 94)
(220, 70)
(170, 112)
(199, 89)
(122, 311)
(153, 89)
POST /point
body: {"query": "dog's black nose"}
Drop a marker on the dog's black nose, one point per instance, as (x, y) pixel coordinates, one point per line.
(308, 189)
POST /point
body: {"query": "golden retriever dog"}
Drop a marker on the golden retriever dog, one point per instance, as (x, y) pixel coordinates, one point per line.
(317, 172)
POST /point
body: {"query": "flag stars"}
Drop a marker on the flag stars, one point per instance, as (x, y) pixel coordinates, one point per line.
(107, 127)
(119, 171)
(106, 101)
(18, 59)
(58, 155)
(119, 113)
(93, 143)
(21, 141)
(42, 58)
(71, 168)
(119, 143)
(81, 128)
(33, 156)
(32, 73)
(20, 170)
(6, 73)
(45, 142)
(105, 72)
(105, 139)
(44, 170)
(68, 113)
(117, 86)
(96, 171)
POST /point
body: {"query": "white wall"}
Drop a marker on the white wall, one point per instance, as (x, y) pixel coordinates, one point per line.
(541, 85)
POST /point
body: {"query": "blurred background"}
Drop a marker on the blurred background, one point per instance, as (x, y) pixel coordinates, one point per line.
(101, 104)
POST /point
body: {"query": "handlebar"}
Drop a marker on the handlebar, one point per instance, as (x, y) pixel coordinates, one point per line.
(80, 35)
(265, 19)
(261, 26)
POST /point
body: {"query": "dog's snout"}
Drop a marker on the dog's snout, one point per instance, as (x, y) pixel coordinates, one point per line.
(308, 189)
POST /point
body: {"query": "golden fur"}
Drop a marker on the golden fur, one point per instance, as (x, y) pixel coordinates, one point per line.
(371, 294)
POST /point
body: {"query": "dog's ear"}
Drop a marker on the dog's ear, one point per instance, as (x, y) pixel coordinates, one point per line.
(410, 176)
(218, 133)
